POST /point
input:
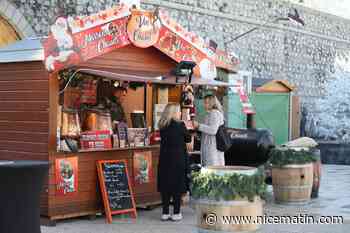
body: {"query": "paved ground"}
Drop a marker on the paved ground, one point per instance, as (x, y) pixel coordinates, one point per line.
(334, 200)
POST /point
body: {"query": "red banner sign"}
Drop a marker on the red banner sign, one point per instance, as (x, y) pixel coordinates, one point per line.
(180, 49)
(177, 48)
(226, 61)
(220, 57)
(72, 41)
(102, 39)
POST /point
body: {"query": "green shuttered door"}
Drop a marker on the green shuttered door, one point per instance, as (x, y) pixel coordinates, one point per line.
(272, 112)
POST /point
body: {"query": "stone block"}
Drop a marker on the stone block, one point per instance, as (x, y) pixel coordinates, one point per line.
(16, 16)
(10, 10)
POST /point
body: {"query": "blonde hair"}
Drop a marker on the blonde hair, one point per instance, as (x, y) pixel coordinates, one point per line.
(168, 114)
(213, 103)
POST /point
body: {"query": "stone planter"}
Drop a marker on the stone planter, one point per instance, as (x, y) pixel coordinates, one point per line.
(210, 213)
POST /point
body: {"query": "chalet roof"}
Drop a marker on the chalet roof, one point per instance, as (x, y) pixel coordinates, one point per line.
(258, 82)
(23, 50)
(261, 85)
(32, 49)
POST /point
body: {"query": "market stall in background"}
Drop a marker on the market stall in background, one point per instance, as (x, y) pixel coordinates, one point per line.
(94, 92)
(276, 105)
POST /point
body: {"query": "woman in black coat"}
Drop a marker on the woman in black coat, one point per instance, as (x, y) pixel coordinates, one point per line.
(172, 167)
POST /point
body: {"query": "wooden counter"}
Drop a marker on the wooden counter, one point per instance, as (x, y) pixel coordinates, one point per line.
(122, 149)
(87, 201)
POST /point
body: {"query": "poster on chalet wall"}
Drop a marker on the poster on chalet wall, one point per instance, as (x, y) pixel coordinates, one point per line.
(66, 170)
(143, 167)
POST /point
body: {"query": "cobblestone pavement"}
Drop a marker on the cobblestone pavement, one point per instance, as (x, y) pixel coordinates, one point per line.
(334, 200)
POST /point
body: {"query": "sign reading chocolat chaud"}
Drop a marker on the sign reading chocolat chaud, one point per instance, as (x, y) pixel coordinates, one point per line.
(143, 28)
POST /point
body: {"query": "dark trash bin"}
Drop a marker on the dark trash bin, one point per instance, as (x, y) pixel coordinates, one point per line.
(317, 170)
(21, 184)
(250, 147)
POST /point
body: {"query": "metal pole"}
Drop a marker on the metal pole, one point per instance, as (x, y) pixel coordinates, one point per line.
(250, 121)
(255, 28)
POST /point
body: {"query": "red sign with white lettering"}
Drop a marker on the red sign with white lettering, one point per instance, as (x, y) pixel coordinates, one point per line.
(102, 39)
(72, 41)
(75, 40)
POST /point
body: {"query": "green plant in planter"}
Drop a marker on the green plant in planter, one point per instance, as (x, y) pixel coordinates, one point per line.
(227, 187)
(281, 157)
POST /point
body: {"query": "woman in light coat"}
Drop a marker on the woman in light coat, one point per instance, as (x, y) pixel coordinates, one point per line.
(211, 156)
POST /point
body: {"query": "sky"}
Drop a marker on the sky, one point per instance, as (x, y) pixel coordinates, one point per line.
(336, 7)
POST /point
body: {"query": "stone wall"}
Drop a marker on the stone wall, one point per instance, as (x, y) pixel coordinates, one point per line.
(303, 55)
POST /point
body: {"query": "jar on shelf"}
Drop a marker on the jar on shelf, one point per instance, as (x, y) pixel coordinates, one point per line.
(104, 121)
(70, 123)
(96, 119)
(90, 122)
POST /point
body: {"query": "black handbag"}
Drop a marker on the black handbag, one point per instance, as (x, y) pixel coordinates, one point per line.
(223, 139)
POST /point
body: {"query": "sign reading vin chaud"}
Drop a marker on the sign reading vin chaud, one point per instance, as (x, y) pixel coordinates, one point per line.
(143, 28)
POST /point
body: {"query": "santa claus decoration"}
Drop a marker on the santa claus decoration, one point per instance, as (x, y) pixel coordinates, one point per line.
(61, 44)
(187, 103)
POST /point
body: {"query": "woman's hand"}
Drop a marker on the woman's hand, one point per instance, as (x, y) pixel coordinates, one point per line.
(189, 147)
(195, 124)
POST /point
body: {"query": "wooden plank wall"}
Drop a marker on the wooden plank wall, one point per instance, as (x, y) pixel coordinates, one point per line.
(149, 62)
(133, 101)
(87, 200)
(24, 102)
(133, 60)
(175, 94)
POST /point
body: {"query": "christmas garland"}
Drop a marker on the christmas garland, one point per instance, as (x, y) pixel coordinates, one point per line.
(228, 187)
(281, 157)
(135, 85)
(65, 75)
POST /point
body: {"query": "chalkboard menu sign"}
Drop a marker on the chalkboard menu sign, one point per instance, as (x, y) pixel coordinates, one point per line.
(115, 188)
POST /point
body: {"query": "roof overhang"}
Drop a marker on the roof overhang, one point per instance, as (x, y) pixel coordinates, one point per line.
(22, 51)
(161, 80)
(188, 45)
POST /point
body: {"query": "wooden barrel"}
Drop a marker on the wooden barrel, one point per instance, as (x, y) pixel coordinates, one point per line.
(234, 215)
(317, 165)
(292, 183)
